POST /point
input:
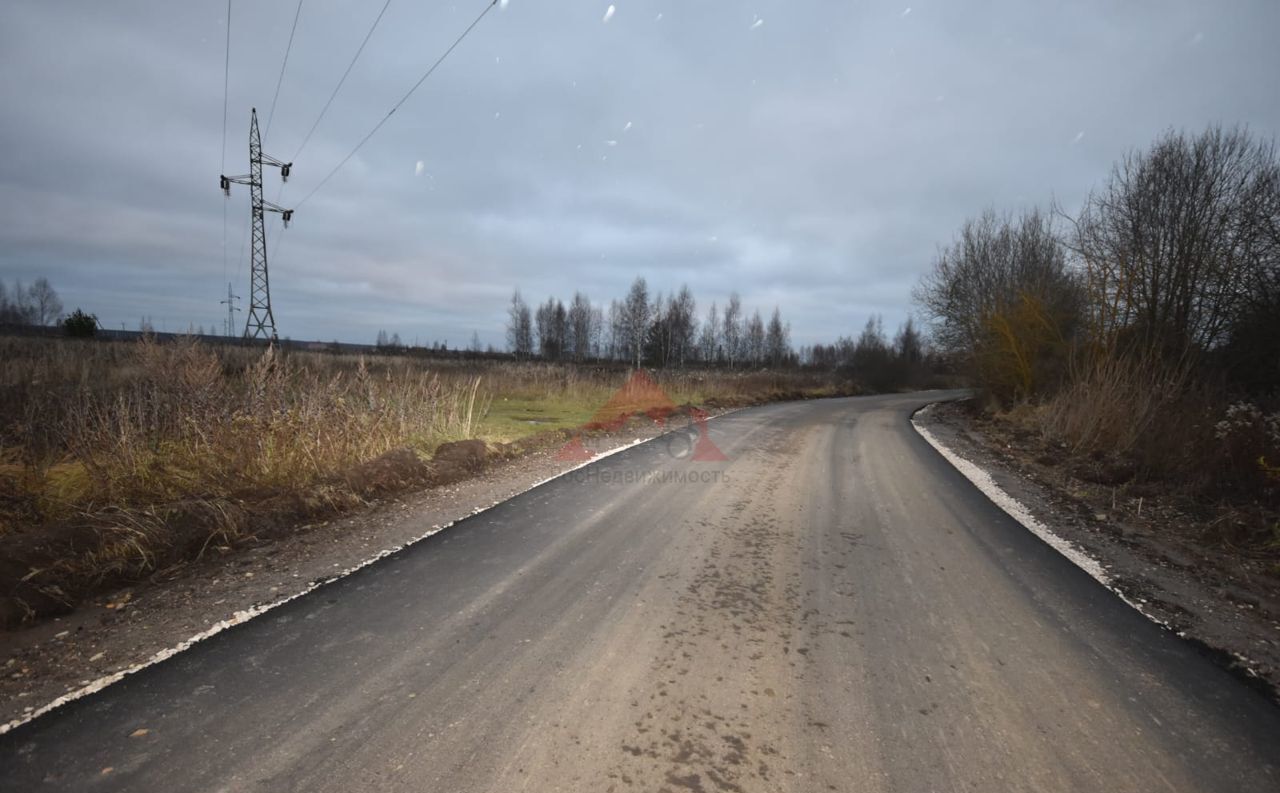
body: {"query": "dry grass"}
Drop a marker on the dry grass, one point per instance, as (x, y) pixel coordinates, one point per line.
(1117, 404)
(1167, 427)
(119, 458)
(90, 426)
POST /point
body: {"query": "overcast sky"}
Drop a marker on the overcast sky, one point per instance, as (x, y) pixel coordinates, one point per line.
(810, 155)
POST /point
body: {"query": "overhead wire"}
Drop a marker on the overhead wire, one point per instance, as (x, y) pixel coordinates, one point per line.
(279, 81)
(270, 117)
(435, 65)
(333, 95)
(341, 81)
(226, 82)
(402, 100)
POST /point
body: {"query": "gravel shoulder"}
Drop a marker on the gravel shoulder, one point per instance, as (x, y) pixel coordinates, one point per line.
(127, 627)
(1225, 600)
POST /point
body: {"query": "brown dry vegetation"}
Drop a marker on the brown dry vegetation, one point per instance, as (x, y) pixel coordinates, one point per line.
(1140, 340)
(119, 459)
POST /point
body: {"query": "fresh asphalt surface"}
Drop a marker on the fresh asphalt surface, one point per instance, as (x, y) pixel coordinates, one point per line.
(832, 608)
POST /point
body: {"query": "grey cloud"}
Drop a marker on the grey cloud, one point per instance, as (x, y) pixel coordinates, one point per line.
(814, 162)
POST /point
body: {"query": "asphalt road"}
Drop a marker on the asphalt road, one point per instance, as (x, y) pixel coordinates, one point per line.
(832, 608)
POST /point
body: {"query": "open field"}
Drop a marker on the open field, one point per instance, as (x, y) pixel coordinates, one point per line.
(118, 459)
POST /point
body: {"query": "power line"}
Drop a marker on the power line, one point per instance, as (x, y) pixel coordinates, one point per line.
(325, 109)
(226, 82)
(338, 87)
(272, 114)
(397, 105)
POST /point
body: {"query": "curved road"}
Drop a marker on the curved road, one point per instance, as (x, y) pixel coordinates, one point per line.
(832, 608)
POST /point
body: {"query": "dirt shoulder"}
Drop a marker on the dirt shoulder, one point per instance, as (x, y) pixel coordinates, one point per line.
(120, 629)
(1153, 547)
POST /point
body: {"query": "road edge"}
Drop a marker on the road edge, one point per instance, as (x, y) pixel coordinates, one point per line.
(1234, 663)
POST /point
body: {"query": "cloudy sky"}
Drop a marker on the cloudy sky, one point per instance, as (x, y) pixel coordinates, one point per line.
(808, 154)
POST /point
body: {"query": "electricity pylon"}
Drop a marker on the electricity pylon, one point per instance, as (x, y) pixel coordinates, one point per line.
(260, 322)
(232, 308)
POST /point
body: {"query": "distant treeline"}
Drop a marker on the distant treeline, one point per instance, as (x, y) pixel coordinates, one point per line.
(665, 331)
(37, 304)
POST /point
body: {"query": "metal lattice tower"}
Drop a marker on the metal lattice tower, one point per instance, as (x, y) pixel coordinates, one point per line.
(260, 322)
(232, 308)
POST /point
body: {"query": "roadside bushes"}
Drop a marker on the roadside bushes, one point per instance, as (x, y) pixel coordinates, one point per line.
(1133, 407)
(1002, 299)
(1146, 330)
(1249, 440)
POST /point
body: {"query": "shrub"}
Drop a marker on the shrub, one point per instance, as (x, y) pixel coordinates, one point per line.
(80, 325)
(1131, 406)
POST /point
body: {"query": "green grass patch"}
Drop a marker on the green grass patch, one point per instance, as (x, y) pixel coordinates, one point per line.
(512, 418)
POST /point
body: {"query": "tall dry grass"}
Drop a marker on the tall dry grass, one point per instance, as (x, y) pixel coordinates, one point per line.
(1173, 425)
(87, 426)
(1116, 403)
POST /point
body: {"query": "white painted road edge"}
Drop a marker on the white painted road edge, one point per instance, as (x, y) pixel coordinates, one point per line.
(1019, 512)
(248, 614)
(983, 481)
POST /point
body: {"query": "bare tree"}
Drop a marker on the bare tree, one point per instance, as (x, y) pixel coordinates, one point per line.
(672, 328)
(596, 331)
(754, 339)
(552, 325)
(1173, 245)
(617, 332)
(657, 340)
(17, 309)
(635, 318)
(683, 326)
(732, 335)
(994, 261)
(708, 339)
(1002, 297)
(519, 327)
(580, 316)
(777, 341)
(909, 344)
(44, 301)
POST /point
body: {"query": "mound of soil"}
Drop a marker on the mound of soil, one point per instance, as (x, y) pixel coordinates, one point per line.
(47, 570)
(395, 470)
(458, 460)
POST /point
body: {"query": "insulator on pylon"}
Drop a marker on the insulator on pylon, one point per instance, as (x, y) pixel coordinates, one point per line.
(284, 171)
(288, 215)
(226, 185)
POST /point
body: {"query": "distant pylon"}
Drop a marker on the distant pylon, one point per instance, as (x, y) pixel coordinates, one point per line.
(232, 308)
(260, 322)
